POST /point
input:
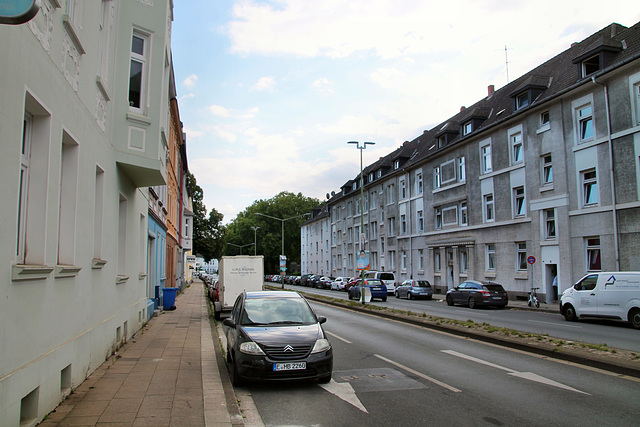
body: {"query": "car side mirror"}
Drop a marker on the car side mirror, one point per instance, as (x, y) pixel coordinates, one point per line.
(230, 323)
(322, 319)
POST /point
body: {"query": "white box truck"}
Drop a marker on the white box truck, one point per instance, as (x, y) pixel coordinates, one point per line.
(237, 274)
(606, 295)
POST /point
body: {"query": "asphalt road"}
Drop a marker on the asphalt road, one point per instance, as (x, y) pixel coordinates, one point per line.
(389, 373)
(614, 334)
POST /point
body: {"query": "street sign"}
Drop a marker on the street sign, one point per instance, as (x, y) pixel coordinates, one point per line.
(531, 260)
(18, 11)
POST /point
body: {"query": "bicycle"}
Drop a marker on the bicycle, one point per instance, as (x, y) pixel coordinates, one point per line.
(533, 298)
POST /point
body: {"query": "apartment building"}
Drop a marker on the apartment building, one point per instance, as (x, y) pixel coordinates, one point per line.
(83, 113)
(539, 178)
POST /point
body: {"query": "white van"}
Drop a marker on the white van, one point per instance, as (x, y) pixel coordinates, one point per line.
(608, 295)
(387, 277)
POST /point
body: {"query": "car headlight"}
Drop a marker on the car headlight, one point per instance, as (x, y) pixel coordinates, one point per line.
(321, 345)
(251, 347)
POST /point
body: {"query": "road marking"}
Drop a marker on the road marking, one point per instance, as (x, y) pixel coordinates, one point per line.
(338, 337)
(345, 392)
(526, 375)
(556, 324)
(419, 374)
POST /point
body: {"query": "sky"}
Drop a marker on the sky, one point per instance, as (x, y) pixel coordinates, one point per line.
(271, 91)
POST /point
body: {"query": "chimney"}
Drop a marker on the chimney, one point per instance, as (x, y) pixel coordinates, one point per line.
(462, 108)
(490, 90)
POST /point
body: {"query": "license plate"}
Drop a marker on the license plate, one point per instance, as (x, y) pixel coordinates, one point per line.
(289, 366)
(497, 297)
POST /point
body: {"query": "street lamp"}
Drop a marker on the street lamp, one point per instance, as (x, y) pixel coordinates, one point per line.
(361, 146)
(255, 246)
(283, 221)
(240, 246)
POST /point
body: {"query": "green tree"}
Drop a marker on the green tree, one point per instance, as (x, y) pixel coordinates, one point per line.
(208, 233)
(285, 205)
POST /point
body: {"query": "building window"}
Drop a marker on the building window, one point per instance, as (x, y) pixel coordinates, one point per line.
(585, 123)
(122, 236)
(392, 226)
(392, 260)
(396, 164)
(517, 151)
(467, 128)
(591, 65)
(420, 259)
(550, 224)
(490, 257)
(547, 169)
(522, 100)
(382, 245)
(391, 193)
(464, 219)
(403, 224)
(419, 183)
(593, 253)
(68, 200)
(137, 71)
(485, 158)
(438, 218)
(462, 173)
(374, 230)
(464, 260)
(544, 118)
(420, 221)
(24, 185)
(98, 213)
(518, 202)
(403, 189)
(437, 264)
(589, 188)
(379, 173)
(354, 186)
(437, 178)
(488, 208)
(636, 99)
(370, 177)
(521, 256)
(403, 260)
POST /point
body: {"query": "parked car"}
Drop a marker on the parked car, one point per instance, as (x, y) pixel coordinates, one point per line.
(325, 282)
(414, 289)
(350, 282)
(213, 290)
(339, 283)
(387, 277)
(377, 288)
(275, 335)
(476, 293)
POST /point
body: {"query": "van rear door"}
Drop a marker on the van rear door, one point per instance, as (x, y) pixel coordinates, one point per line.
(586, 297)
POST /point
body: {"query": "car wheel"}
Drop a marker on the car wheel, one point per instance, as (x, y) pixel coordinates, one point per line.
(409, 295)
(384, 299)
(429, 298)
(570, 313)
(634, 318)
(472, 303)
(449, 300)
(236, 381)
(397, 294)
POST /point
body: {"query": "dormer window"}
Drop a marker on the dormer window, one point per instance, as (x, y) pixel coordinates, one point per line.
(590, 65)
(354, 186)
(396, 164)
(467, 128)
(370, 177)
(379, 174)
(522, 100)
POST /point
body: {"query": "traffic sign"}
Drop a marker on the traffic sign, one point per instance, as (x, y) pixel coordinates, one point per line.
(531, 260)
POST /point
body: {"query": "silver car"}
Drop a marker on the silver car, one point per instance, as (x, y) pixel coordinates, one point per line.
(414, 289)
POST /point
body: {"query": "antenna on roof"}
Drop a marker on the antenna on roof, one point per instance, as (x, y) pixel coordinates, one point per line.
(506, 61)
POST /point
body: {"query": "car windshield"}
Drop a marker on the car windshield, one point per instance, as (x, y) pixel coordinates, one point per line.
(423, 284)
(493, 288)
(386, 276)
(277, 311)
(373, 282)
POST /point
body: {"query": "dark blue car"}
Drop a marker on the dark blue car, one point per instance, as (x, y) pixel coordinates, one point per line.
(377, 288)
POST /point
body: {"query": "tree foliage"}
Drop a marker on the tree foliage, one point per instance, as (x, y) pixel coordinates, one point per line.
(208, 232)
(292, 208)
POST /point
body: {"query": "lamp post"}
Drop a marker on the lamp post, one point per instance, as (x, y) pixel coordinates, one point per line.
(282, 220)
(255, 246)
(361, 146)
(240, 246)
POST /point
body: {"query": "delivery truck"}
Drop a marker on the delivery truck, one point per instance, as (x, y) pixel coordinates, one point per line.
(237, 274)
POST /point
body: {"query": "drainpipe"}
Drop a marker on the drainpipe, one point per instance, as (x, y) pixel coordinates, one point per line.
(616, 244)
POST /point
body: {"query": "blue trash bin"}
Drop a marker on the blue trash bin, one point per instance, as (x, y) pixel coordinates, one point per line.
(169, 298)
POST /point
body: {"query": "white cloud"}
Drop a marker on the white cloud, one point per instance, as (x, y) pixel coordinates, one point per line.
(190, 81)
(323, 85)
(264, 83)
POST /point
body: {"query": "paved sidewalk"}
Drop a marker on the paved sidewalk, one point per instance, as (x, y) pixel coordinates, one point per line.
(166, 375)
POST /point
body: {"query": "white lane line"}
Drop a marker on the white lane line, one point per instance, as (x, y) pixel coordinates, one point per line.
(525, 375)
(419, 374)
(338, 337)
(556, 324)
